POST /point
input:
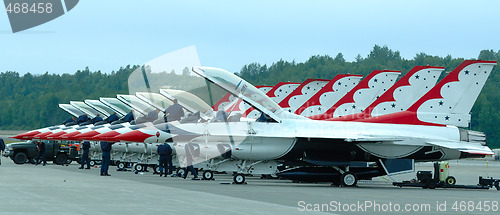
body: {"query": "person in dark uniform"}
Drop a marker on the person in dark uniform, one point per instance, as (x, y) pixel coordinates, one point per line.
(2, 148)
(69, 120)
(165, 161)
(113, 117)
(106, 157)
(85, 155)
(82, 119)
(153, 115)
(41, 153)
(97, 118)
(189, 158)
(129, 117)
(174, 112)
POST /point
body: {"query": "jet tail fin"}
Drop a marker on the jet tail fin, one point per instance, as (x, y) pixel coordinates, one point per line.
(447, 103)
(325, 98)
(302, 93)
(401, 95)
(361, 95)
(279, 92)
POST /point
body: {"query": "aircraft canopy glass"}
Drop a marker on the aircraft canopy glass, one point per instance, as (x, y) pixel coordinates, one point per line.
(116, 104)
(136, 103)
(240, 87)
(188, 99)
(155, 99)
(71, 109)
(100, 107)
(85, 108)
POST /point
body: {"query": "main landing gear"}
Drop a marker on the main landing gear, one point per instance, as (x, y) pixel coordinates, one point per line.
(347, 178)
(208, 175)
(239, 178)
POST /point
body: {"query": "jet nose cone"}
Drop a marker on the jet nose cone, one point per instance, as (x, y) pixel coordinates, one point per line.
(133, 136)
(108, 136)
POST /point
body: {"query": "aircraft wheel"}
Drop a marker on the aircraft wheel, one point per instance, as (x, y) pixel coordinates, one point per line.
(181, 171)
(348, 179)
(138, 167)
(450, 180)
(156, 169)
(92, 163)
(20, 158)
(208, 175)
(239, 179)
(121, 165)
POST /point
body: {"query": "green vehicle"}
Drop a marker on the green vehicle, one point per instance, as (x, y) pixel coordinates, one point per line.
(22, 152)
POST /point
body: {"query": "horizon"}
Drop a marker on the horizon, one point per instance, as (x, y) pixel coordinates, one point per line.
(107, 35)
(347, 61)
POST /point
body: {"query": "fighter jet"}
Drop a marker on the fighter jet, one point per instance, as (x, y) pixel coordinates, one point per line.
(343, 151)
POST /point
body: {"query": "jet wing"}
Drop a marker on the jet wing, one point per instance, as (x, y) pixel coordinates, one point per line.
(469, 147)
(374, 139)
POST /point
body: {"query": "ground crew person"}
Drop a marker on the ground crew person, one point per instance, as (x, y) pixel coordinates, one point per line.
(189, 158)
(41, 152)
(165, 161)
(85, 155)
(106, 157)
(2, 148)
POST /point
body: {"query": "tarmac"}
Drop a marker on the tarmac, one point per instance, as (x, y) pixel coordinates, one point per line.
(55, 189)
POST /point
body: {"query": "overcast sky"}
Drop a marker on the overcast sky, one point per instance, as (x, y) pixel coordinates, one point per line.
(106, 35)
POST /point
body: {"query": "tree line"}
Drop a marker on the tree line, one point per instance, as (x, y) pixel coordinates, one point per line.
(31, 101)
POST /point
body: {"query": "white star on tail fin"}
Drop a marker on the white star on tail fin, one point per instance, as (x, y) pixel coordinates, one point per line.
(332, 92)
(401, 95)
(362, 94)
(302, 93)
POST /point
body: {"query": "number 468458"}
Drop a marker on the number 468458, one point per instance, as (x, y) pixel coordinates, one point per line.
(29, 8)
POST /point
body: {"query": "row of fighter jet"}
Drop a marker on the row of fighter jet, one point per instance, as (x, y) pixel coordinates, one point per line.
(360, 128)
